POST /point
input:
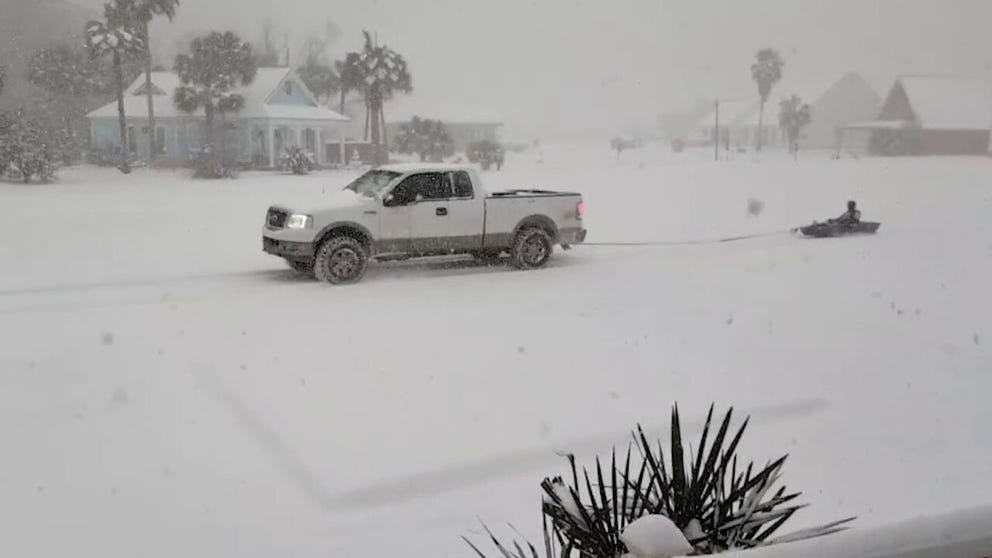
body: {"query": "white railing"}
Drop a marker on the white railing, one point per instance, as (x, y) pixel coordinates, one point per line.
(960, 534)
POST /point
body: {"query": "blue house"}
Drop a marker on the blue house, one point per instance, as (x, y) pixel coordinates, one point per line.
(279, 113)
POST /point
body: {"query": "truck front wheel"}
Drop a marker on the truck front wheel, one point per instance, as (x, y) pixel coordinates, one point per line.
(341, 259)
(531, 248)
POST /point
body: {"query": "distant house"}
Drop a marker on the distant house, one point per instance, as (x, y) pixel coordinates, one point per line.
(834, 105)
(942, 115)
(279, 112)
(850, 99)
(738, 121)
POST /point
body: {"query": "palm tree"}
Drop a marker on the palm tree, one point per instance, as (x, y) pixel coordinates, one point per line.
(119, 36)
(219, 63)
(766, 72)
(793, 116)
(144, 12)
(384, 73)
(349, 76)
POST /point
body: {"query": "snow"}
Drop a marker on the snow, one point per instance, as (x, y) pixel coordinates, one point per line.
(962, 533)
(655, 536)
(168, 389)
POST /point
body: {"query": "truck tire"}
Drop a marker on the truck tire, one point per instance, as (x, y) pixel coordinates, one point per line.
(340, 260)
(301, 266)
(531, 248)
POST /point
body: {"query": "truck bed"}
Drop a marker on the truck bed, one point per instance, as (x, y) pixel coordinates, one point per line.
(506, 210)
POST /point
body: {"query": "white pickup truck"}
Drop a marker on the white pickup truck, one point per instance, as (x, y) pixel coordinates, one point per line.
(402, 211)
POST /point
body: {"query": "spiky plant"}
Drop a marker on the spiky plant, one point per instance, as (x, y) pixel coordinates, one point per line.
(718, 502)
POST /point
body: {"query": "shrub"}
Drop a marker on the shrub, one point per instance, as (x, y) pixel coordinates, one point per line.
(298, 161)
(31, 146)
(206, 165)
(716, 500)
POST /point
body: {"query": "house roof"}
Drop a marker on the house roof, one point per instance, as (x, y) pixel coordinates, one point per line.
(879, 125)
(256, 95)
(949, 102)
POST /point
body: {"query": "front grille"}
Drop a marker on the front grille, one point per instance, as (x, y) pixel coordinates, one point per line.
(276, 218)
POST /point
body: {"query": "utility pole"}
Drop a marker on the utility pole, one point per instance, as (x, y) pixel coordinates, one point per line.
(716, 130)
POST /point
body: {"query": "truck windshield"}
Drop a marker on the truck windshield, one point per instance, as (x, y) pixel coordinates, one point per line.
(372, 182)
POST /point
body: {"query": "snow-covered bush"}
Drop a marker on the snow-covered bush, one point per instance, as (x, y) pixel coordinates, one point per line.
(297, 161)
(713, 499)
(31, 146)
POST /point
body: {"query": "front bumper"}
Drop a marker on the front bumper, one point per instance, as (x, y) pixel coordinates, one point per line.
(568, 237)
(287, 248)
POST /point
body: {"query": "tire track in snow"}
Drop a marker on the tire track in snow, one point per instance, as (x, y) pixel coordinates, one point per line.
(428, 483)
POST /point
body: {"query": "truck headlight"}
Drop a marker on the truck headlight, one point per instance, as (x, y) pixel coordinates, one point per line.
(296, 221)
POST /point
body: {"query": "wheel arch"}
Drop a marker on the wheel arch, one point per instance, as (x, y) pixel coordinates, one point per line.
(539, 221)
(345, 228)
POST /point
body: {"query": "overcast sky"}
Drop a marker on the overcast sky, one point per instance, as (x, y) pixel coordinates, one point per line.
(549, 67)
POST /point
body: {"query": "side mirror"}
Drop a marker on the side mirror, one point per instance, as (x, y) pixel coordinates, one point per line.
(388, 200)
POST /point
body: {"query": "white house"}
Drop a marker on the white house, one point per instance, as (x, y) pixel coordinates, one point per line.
(279, 112)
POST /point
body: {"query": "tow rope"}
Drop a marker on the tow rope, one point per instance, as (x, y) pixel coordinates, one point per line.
(689, 242)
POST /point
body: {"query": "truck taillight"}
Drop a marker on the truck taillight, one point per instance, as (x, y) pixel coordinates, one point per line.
(580, 209)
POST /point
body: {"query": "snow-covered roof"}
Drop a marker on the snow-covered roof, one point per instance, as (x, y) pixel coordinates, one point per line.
(879, 124)
(256, 95)
(949, 102)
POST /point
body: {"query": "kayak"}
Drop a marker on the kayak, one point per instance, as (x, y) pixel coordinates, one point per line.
(829, 229)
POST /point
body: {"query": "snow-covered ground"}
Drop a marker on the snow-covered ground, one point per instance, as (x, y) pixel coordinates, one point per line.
(166, 389)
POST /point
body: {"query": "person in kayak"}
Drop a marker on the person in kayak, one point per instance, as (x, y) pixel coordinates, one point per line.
(850, 217)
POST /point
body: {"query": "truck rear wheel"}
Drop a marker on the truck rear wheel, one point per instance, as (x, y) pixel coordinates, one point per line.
(340, 260)
(531, 248)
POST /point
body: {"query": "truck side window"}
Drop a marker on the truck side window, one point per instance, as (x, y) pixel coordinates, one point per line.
(463, 184)
(428, 186)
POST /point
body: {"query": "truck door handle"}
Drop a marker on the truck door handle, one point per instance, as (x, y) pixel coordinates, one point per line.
(441, 211)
